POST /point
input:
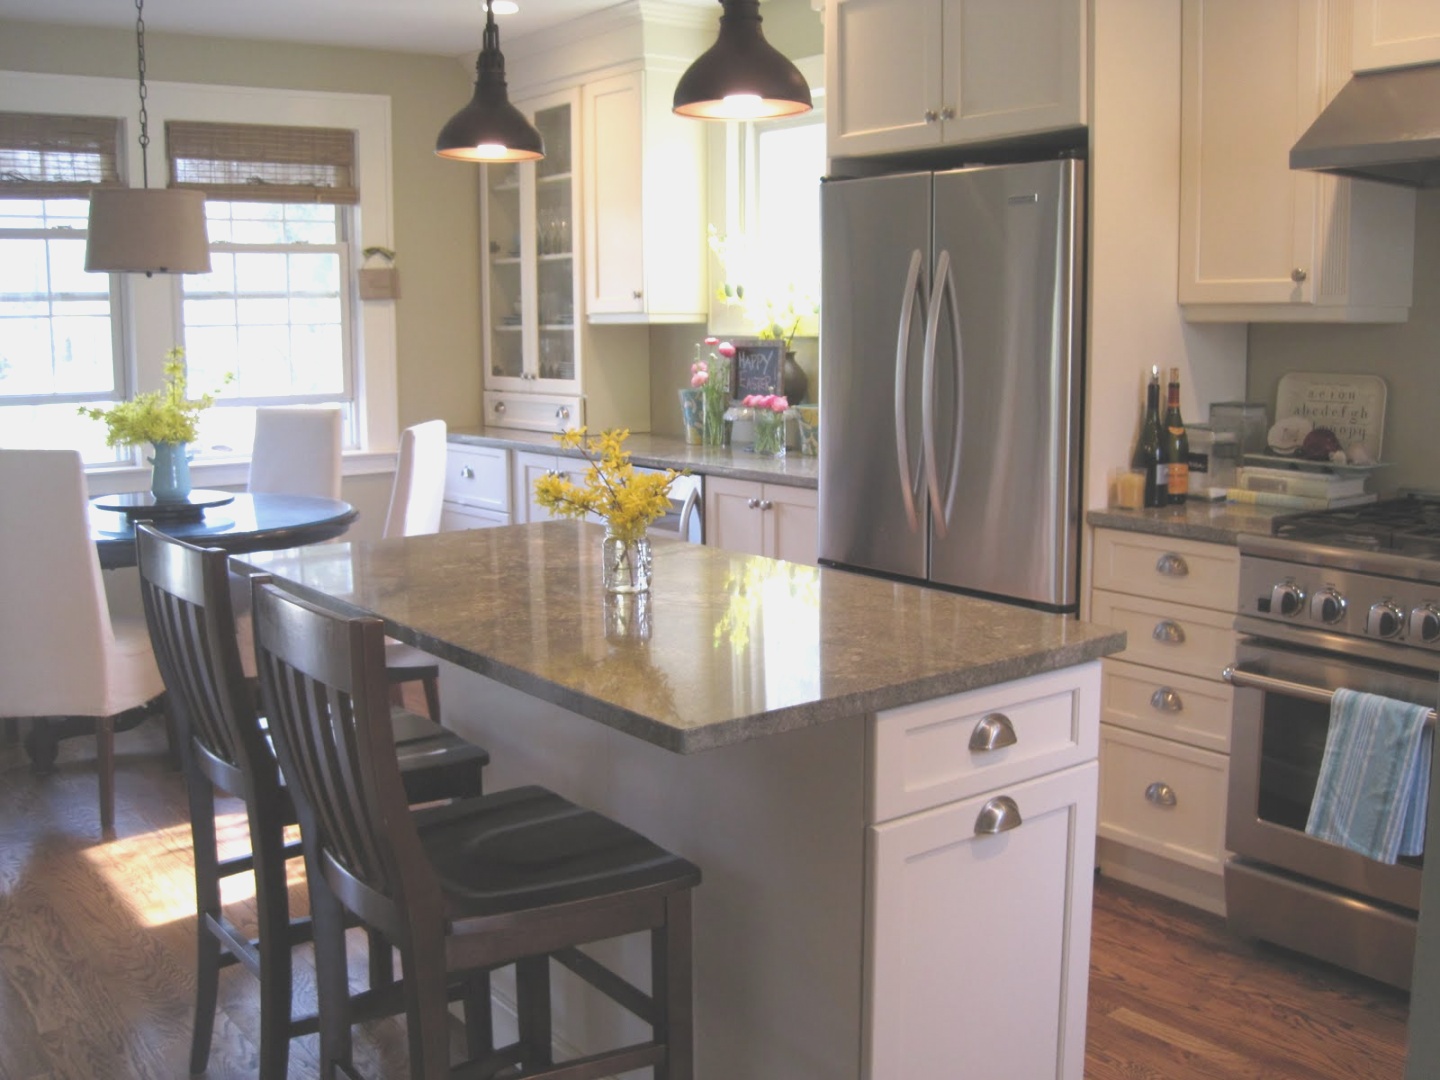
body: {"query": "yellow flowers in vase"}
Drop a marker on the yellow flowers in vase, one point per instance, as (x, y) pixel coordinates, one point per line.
(611, 489)
(159, 416)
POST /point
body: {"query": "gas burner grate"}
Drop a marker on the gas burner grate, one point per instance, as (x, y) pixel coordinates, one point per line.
(1409, 526)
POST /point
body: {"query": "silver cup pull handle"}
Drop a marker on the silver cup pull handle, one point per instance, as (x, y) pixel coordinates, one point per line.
(467, 473)
(1161, 794)
(1166, 700)
(998, 815)
(1172, 565)
(1168, 633)
(993, 733)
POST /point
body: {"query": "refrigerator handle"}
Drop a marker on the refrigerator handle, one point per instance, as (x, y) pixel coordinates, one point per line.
(953, 302)
(902, 361)
(940, 521)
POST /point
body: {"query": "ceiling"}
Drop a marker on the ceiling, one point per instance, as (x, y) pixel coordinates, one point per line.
(446, 27)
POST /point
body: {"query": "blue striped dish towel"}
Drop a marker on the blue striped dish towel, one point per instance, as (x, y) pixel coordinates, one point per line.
(1374, 781)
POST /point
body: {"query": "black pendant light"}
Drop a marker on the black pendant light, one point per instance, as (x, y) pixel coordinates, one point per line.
(490, 128)
(742, 76)
(146, 230)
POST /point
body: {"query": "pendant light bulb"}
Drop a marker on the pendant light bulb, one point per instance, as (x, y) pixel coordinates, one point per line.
(742, 76)
(490, 128)
(146, 230)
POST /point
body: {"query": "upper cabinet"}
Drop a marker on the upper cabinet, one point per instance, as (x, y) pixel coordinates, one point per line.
(914, 74)
(1396, 33)
(1258, 241)
(644, 203)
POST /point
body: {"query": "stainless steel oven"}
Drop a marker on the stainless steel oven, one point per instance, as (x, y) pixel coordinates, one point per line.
(1336, 599)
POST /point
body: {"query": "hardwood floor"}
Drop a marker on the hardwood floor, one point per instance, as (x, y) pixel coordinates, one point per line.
(97, 960)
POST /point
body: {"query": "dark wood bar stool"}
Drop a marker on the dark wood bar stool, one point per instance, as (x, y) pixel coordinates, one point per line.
(226, 749)
(519, 876)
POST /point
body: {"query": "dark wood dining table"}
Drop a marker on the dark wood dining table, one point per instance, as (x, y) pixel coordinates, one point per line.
(251, 521)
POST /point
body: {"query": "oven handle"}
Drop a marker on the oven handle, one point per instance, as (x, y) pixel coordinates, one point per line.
(1236, 677)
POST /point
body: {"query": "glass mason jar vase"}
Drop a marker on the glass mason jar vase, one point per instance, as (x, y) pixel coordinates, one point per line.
(769, 437)
(625, 564)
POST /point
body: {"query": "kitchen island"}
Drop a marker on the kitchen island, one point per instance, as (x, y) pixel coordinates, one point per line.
(883, 896)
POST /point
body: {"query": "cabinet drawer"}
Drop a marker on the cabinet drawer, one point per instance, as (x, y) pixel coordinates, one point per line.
(534, 412)
(1171, 637)
(456, 518)
(1180, 571)
(923, 754)
(1163, 797)
(1167, 704)
(478, 476)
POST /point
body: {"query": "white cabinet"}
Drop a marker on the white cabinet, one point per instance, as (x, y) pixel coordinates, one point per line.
(1395, 33)
(775, 520)
(477, 488)
(1165, 711)
(531, 467)
(644, 203)
(1258, 241)
(912, 74)
(979, 892)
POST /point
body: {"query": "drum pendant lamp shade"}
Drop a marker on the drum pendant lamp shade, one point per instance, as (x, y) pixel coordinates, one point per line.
(147, 230)
(490, 128)
(742, 76)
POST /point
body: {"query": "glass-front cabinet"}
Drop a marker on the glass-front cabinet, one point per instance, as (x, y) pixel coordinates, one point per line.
(530, 213)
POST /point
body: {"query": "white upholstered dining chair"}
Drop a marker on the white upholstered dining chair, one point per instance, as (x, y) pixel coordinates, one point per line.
(61, 654)
(296, 451)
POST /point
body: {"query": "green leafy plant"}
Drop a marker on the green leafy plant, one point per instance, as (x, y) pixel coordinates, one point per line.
(158, 416)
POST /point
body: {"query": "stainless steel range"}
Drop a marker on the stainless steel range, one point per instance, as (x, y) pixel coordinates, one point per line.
(1338, 598)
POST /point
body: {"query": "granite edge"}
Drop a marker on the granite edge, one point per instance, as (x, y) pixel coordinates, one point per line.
(1181, 525)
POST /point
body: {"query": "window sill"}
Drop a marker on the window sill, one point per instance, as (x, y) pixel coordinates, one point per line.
(228, 473)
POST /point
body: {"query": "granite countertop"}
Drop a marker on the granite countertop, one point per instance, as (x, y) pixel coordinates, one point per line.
(726, 647)
(666, 452)
(1215, 522)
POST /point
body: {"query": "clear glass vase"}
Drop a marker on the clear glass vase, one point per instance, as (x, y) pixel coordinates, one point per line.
(625, 564)
(769, 437)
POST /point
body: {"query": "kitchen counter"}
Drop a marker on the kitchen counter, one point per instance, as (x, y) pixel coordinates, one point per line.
(666, 452)
(1213, 522)
(726, 648)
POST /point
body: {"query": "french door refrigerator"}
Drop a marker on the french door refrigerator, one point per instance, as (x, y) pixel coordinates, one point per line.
(952, 341)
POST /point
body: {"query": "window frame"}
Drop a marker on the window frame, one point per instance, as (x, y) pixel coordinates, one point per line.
(149, 307)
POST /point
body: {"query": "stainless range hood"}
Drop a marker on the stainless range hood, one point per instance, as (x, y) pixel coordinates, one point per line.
(1383, 125)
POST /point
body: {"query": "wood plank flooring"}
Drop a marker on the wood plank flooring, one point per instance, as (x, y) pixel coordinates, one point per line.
(97, 960)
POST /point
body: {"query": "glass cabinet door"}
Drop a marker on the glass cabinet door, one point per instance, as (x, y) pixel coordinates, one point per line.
(531, 224)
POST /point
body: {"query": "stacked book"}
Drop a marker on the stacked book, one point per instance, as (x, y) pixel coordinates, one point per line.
(1298, 490)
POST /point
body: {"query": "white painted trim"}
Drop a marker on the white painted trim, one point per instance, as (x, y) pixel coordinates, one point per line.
(150, 307)
(231, 473)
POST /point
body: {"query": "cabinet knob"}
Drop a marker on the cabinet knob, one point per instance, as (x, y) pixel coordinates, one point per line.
(931, 116)
(1298, 275)
(753, 504)
(467, 473)
(1166, 700)
(1161, 794)
(1168, 633)
(995, 732)
(637, 294)
(500, 407)
(947, 113)
(998, 815)
(1172, 565)
(766, 504)
(562, 413)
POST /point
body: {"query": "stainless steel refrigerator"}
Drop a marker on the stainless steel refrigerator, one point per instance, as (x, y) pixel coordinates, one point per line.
(951, 352)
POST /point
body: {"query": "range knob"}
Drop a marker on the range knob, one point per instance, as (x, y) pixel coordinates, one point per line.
(1425, 623)
(1287, 598)
(1385, 620)
(1327, 605)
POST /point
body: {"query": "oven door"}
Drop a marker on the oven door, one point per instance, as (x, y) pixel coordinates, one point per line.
(1281, 718)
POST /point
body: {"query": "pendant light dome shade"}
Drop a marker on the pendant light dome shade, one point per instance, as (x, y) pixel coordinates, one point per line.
(742, 76)
(147, 231)
(490, 128)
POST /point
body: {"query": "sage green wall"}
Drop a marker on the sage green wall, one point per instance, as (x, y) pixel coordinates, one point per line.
(435, 201)
(1406, 355)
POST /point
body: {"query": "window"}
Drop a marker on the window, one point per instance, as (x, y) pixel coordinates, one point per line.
(274, 312)
(58, 339)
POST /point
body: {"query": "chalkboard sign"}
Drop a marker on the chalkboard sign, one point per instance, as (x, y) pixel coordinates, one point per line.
(758, 368)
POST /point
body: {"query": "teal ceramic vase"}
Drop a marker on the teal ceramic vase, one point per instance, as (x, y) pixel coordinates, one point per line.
(170, 471)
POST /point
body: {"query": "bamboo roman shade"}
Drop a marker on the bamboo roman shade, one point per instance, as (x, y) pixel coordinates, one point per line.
(43, 156)
(263, 162)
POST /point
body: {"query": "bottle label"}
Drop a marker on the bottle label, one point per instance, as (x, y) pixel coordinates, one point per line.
(1178, 479)
(1162, 474)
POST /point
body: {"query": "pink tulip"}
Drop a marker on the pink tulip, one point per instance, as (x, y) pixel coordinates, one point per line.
(725, 349)
(700, 378)
(780, 404)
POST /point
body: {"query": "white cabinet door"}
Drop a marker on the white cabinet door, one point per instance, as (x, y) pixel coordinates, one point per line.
(978, 943)
(732, 517)
(910, 74)
(644, 203)
(1395, 33)
(531, 467)
(774, 520)
(792, 523)
(1258, 241)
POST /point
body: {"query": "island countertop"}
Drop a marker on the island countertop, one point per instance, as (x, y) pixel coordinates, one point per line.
(726, 647)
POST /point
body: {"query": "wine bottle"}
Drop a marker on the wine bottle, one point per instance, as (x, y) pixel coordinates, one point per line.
(1150, 449)
(1177, 443)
